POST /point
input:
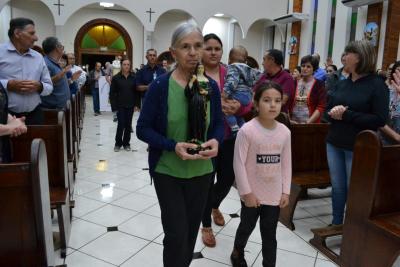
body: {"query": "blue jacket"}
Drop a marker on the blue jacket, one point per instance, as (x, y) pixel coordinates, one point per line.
(152, 123)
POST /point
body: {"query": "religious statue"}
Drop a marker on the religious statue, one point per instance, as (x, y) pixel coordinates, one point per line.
(116, 65)
(198, 94)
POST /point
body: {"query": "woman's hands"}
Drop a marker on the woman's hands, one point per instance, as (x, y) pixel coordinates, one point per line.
(396, 81)
(337, 112)
(210, 151)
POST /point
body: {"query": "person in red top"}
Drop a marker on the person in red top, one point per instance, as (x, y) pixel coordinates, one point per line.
(310, 95)
(273, 62)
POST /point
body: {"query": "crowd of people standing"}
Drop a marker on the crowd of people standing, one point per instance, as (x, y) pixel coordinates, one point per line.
(192, 179)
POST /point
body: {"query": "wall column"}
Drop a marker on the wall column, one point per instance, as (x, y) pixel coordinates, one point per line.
(323, 28)
(307, 29)
(295, 31)
(392, 46)
(341, 35)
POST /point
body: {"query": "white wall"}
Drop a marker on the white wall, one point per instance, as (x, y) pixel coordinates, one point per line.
(5, 17)
(164, 28)
(38, 12)
(131, 24)
(253, 41)
(219, 26)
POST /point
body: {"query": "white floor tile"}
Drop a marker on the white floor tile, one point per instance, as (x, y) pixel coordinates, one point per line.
(131, 184)
(148, 190)
(136, 202)
(287, 240)
(85, 205)
(79, 259)
(322, 263)
(154, 211)
(150, 256)
(206, 262)
(109, 215)
(83, 187)
(106, 194)
(83, 232)
(286, 258)
(143, 226)
(114, 247)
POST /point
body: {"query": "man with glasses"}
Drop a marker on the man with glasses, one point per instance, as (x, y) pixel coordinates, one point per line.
(53, 51)
(23, 73)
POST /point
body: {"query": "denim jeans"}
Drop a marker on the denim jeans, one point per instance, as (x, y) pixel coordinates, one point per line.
(96, 99)
(339, 161)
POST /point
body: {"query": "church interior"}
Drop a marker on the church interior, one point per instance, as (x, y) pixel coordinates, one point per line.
(112, 215)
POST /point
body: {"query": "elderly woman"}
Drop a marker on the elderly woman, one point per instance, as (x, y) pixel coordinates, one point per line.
(181, 179)
(310, 95)
(358, 103)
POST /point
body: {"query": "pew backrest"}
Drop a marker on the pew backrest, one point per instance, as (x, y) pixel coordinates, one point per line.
(25, 222)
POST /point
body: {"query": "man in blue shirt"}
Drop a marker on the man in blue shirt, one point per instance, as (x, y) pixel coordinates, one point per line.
(23, 73)
(54, 50)
(320, 73)
(149, 72)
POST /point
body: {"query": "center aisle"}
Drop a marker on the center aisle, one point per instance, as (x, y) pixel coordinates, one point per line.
(116, 219)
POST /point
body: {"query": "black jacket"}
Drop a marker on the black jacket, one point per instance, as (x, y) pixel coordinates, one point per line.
(367, 105)
(123, 91)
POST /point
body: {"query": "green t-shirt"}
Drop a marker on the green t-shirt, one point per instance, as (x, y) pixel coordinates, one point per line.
(177, 129)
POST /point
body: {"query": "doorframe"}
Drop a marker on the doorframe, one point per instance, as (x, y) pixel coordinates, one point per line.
(102, 21)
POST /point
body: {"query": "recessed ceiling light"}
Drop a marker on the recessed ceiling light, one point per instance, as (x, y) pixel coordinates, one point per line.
(219, 15)
(105, 4)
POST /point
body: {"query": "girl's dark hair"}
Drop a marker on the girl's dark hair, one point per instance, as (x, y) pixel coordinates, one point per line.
(212, 36)
(333, 67)
(395, 66)
(298, 68)
(259, 90)
(65, 57)
(312, 60)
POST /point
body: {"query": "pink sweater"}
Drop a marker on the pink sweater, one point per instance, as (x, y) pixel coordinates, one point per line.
(263, 162)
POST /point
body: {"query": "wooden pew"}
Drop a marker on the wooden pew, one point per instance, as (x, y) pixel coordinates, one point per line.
(51, 118)
(309, 165)
(371, 231)
(54, 137)
(25, 223)
(76, 131)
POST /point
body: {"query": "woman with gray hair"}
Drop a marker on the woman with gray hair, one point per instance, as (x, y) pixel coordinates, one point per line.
(358, 103)
(181, 179)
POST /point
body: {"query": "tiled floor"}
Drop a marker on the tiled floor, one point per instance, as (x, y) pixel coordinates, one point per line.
(113, 190)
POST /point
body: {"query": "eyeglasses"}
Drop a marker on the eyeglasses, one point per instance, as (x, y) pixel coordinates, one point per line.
(60, 46)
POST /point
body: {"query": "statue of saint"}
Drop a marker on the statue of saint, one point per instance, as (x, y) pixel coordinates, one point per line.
(198, 94)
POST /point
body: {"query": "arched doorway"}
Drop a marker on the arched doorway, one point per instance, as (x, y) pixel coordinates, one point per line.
(101, 40)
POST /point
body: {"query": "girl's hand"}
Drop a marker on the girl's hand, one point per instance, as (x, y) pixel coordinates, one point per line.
(212, 149)
(284, 201)
(251, 201)
(337, 112)
(181, 151)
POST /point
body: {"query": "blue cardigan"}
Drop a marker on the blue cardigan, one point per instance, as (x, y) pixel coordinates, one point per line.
(152, 123)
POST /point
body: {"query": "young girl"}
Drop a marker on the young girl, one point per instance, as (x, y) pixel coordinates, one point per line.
(263, 171)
